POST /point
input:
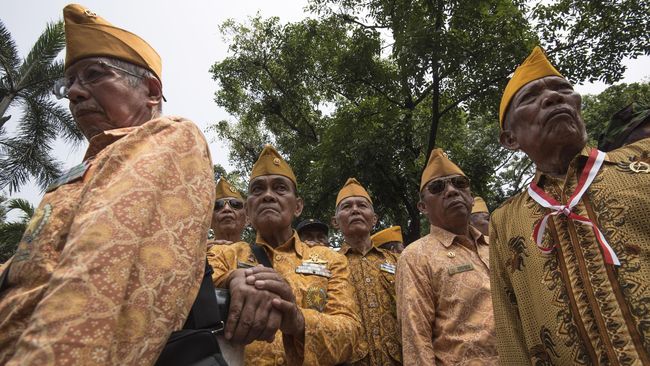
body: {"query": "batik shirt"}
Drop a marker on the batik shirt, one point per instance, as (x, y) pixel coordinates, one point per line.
(569, 307)
(318, 277)
(113, 257)
(373, 278)
(444, 305)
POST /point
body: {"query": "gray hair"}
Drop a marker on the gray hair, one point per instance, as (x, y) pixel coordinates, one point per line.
(134, 81)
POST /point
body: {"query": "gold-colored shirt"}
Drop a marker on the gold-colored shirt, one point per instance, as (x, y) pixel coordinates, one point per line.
(569, 307)
(373, 278)
(332, 327)
(111, 261)
(444, 307)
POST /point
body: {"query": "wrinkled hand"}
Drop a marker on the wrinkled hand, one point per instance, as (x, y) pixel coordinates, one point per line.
(267, 279)
(251, 315)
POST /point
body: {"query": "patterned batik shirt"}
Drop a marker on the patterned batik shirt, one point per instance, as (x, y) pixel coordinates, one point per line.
(569, 307)
(113, 257)
(318, 277)
(373, 278)
(444, 307)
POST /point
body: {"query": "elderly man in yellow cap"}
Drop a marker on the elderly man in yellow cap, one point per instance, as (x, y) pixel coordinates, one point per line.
(480, 217)
(569, 256)
(443, 285)
(302, 291)
(112, 260)
(389, 239)
(228, 217)
(372, 273)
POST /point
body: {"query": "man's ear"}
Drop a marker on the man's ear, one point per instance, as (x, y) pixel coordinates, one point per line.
(299, 206)
(154, 88)
(508, 140)
(335, 223)
(422, 207)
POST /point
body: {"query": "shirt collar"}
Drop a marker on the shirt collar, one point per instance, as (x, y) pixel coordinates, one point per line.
(100, 141)
(448, 238)
(347, 247)
(293, 242)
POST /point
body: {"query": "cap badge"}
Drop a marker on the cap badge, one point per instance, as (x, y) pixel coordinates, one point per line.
(90, 14)
(276, 161)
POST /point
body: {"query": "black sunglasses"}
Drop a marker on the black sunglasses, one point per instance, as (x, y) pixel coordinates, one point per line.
(439, 185)
(233, 203)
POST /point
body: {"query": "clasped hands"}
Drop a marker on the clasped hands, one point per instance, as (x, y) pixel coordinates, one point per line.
(261, 302)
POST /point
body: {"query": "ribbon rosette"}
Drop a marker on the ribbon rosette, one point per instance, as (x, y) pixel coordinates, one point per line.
(596, 158)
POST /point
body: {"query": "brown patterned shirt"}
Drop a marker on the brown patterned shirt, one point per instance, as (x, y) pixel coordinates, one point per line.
(111, 261)
(444, 306)
(570, 307)
(332, 327)
(373, 278)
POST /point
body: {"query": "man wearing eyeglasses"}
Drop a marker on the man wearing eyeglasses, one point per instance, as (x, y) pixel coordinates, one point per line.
(444, 305)
(112, 259)
(228, 217)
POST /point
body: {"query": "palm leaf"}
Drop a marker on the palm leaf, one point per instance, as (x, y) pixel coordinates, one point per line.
(10, 235)
(22, 205)
(45, 50)
(9, 60)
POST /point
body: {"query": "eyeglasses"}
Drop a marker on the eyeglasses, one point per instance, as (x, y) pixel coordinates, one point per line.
(233, 203)
(88, 75)
(439, 185)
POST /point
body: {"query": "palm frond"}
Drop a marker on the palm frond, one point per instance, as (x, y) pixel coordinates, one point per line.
(10, 235)
(9, 60)
(45, 50)
(22, 205)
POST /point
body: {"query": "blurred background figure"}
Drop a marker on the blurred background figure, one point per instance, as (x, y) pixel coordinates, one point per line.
(480, 217)
(313, 232)
(389, 239)
(630, 124)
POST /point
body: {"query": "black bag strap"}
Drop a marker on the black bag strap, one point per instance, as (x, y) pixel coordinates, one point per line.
(205, 310)
(260, 255)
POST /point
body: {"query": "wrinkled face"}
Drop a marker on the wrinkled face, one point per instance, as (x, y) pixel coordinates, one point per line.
(314, 235)
(355, 216)
(229, 218)
(109, 101)
(449, 207)
(544, 116)
(481, 221)
(272, 203)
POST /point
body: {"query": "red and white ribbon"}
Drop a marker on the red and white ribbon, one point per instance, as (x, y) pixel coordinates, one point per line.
(596, 158)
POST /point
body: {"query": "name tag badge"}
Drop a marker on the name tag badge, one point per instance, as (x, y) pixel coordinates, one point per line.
(387, 267)
(311, 268)
(462, 268)
(73, 174)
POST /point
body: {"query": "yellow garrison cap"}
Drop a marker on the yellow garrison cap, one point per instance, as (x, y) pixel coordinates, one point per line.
(535, 66)
(479, 205)
(270, 163)
(393, 233)
(352, 188)
(225, 189)
(438, 166)
(89, 35)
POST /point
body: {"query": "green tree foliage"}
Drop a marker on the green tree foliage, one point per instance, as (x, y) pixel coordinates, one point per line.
(367, 89)
(598, 109)
(27, 84)
(12, 232)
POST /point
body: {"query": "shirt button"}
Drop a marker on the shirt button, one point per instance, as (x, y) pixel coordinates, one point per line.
(368, 279)
(280, 361)
(277, 257)
(375, 331)
(364, 259)
(372, 305)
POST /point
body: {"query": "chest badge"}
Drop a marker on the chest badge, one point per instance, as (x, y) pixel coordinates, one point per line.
(316, 299)
(388, 267)
(314, 266)
(74, 173)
